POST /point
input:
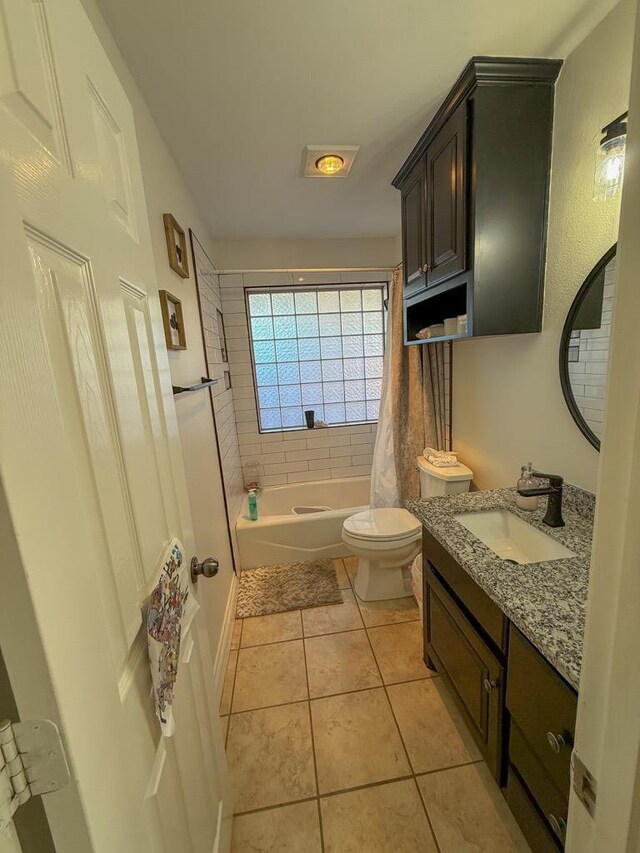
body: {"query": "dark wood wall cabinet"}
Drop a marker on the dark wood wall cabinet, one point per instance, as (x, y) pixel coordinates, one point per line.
(519, 710)
(474, 201)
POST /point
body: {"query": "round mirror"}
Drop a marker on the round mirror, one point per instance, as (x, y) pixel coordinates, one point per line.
(584, 348)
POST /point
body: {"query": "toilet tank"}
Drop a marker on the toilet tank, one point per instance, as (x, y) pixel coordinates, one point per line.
(443, 481)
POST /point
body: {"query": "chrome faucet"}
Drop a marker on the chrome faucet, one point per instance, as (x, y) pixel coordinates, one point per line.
(553, 516)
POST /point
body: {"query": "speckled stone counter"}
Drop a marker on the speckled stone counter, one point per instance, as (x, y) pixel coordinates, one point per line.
(546, 601)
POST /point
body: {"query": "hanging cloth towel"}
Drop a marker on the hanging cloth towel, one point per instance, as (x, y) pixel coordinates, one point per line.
(171, 608)
(440, 458)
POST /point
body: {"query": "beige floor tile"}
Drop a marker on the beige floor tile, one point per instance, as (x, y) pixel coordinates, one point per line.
(270, 675)
(227, 689)
(337, 663)
(341, 574)
(287, 829)
(258, 630)
(383, 819)
(468, 813)
(388, 612)
(270, 756)
(356, 740)
(430, 725)
(351, 565)
(398, 650)
(332, 617)
(235, 637)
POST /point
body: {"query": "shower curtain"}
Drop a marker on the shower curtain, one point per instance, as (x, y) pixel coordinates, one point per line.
(412, 408)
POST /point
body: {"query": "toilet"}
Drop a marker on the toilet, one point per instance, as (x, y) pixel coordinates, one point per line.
(387, 540)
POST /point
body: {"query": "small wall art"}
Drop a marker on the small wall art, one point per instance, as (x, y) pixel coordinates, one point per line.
(176, 246)
(172, 320)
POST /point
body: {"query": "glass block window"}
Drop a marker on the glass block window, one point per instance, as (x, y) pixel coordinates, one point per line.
(320, 349)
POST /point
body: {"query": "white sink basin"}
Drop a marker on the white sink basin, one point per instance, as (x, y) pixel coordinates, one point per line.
(511, 538)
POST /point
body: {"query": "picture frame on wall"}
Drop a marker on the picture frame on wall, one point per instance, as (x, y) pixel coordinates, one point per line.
(172, 321)
(176, 245)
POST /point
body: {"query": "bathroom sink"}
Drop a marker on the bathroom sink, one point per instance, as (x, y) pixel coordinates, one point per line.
(511, 538)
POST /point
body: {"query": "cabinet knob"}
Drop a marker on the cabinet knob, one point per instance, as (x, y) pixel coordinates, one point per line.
(425, 268)
(556, 742)
(558, 824)
(489, 684)
(208, 568)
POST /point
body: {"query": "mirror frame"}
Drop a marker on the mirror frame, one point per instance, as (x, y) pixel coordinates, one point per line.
(565, 381)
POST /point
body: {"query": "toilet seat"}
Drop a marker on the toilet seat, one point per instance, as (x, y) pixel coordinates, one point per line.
(390, 524)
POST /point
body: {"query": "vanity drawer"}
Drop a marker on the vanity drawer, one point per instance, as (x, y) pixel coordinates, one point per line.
(529, 820)
(552, 802)
(469, 668)
(543, 707)
(479, 606)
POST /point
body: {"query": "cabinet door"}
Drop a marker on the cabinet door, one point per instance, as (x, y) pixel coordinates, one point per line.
(413, 229)
(469, 667)
(446, 234)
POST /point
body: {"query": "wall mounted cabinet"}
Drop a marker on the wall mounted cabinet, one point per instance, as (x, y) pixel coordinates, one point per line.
(474, 201)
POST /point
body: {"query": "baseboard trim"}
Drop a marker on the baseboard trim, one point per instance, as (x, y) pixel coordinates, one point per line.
(224, 646)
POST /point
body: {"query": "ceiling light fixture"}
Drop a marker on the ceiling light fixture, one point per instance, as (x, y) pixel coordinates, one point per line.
(327, 161)
(329, 164)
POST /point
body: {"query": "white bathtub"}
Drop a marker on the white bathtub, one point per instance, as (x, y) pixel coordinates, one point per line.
(299, 522)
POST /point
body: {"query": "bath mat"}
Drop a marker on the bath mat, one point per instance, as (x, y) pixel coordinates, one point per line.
(287, 586)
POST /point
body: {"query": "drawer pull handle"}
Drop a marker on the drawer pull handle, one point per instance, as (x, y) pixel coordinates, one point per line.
(489, 684)
(558, 824)
(556, 742)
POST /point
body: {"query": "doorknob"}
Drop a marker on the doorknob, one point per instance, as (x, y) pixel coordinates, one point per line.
(208, 568)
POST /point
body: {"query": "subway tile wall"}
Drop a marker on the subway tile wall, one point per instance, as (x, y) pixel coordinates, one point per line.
(299, 455)
(210, 296)
(588, 359)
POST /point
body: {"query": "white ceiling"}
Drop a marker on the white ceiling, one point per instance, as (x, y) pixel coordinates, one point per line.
(238, 87)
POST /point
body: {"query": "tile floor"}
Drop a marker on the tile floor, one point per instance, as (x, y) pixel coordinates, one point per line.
(340, 740)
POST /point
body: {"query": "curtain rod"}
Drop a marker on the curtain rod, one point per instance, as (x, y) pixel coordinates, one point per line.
(307, 269)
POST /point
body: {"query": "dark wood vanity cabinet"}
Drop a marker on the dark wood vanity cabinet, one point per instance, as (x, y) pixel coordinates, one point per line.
(472, 671)
(542, 711)
(465, 641)
(474, 201)
(519, 710)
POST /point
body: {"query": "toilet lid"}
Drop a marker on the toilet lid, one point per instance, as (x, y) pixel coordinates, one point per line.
(383, 524)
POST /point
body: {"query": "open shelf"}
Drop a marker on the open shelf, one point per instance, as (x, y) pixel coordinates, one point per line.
(435, 305)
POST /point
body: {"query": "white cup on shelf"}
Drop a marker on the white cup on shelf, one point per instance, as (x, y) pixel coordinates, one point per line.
(451, 326)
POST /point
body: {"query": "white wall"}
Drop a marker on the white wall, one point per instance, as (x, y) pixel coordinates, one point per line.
(507, 404)
(307, 254)
(165, 191)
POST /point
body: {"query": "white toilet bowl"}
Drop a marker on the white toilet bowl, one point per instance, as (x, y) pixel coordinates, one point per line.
(386, 542)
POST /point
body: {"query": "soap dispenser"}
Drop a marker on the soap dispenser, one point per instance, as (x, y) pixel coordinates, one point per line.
(526, 481)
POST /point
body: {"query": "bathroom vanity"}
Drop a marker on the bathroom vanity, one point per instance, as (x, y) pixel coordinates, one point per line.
(507, 639)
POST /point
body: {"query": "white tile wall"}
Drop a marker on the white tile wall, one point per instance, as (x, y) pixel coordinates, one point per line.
(223, 399)
(588, 375)
(288, 457)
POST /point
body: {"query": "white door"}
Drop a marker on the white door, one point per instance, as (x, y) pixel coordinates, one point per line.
(91, 481)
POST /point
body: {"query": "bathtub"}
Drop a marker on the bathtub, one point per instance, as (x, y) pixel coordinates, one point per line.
(302, 521)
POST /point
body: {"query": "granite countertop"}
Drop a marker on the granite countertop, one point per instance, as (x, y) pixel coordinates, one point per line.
(546, 601)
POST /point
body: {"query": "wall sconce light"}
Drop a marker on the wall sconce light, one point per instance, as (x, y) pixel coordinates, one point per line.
(610, 160)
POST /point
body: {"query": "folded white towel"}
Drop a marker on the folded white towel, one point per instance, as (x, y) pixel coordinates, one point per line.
(440, 458)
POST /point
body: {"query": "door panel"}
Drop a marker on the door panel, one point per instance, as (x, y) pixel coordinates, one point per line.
(446, 199)
(413, 228)
(91, 476)
(66, 292)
